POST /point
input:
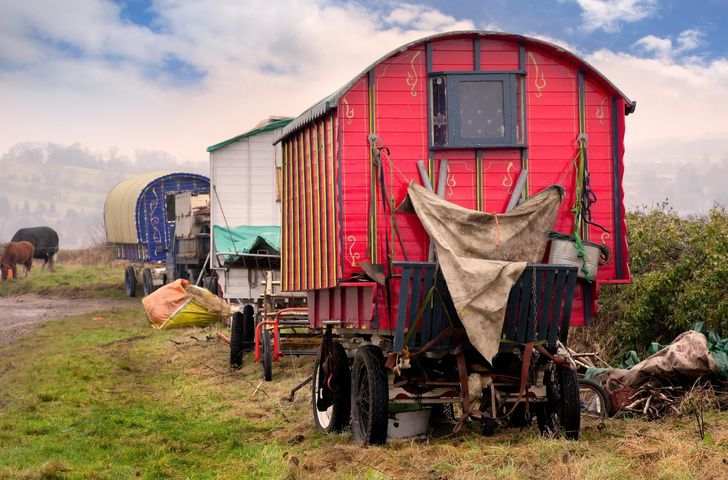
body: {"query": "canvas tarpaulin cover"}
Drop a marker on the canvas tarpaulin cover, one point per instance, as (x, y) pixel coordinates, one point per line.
(246, 238)
(482, 255)
(697, 353)
(181, 305)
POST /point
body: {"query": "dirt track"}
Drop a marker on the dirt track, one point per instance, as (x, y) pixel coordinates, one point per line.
(19, 315)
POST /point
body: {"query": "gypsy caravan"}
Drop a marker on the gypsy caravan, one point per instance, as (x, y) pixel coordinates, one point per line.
(506, 148)
(140, 220)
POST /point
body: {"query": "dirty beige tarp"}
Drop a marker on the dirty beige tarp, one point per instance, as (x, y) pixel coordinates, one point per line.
(482, 255)
(685, 360)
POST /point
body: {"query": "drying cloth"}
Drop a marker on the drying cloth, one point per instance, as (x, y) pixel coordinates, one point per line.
(482, 255)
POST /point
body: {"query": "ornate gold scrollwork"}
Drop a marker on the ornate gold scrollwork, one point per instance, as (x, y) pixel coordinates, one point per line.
(536, 83)
(600, 111)
(354, 255)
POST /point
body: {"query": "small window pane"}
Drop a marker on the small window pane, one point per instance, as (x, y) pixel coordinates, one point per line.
(520, 131)
(481, 110)
(439, 111)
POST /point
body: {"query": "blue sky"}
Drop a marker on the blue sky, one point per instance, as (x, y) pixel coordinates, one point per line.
(138, 77)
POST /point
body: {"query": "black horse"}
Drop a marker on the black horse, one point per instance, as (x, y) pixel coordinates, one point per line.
(45, 241)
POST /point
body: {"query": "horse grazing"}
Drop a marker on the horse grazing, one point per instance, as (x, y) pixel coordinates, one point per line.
(45, 241)
(14, 253)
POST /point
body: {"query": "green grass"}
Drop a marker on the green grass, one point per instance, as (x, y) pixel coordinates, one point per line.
(75, 281)
(113, 398)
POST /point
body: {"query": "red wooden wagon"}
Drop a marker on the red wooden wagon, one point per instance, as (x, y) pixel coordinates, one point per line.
(475, 111)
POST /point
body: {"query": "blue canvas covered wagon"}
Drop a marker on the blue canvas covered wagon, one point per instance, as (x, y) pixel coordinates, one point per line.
(140, 219)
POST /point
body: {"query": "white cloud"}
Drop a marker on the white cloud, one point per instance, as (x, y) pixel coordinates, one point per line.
(80, 73)
(610, 15)
(677, 104)
(666, 50)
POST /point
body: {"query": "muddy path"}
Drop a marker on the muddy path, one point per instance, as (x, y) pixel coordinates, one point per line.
(20, 315)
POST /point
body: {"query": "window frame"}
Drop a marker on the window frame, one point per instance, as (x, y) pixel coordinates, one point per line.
(453, 81)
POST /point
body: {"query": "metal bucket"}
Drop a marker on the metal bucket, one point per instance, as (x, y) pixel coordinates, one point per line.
(408, 425)
(565, 252)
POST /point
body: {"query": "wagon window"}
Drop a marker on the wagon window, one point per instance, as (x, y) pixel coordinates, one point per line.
(481, 110)
(476, 110)
(439, 110)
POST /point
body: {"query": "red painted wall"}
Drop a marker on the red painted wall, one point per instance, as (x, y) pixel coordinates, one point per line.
(336, 231)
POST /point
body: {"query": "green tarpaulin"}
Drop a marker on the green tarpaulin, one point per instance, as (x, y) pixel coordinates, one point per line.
(247, 239)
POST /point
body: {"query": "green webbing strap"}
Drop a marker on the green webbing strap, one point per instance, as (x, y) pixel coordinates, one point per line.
(428, 299)
(576, 209)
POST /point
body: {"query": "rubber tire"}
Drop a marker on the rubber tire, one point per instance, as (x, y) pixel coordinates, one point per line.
(130, 281)
(591, 391)
(336, 418)
(147, 282)
(562, 412)
(236, 340)
(248, 329)
(369, 397)
(213, 286)
(267, 359)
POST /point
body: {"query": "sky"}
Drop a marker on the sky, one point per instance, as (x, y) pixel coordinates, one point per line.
(130, 77)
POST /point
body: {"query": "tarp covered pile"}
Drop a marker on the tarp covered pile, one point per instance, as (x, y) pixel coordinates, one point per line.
(181, 305)
(695, 354)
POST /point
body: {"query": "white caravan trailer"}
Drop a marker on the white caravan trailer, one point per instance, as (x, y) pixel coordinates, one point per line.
(245, 210)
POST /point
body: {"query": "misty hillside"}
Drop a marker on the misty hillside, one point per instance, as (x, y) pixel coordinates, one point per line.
(65, 187)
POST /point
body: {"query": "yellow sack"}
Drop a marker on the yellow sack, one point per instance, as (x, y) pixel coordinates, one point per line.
(181, 305)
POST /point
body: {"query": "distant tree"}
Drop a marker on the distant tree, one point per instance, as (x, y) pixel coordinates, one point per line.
(41, 209)
(4, 204)
(71, 215)
(52, 208)
(26, 209)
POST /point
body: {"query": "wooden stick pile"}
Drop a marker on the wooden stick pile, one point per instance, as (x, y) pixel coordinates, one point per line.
(654, 400)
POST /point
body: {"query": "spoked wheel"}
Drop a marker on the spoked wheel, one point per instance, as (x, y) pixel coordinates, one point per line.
(130, 281)
(561, 413)
(331, 395)
(267, 357)
(369, 397)
(242, 335)
(593, 401)
(147, 282)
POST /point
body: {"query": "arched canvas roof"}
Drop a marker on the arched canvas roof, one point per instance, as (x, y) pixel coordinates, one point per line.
(330, 102)
(122, 204)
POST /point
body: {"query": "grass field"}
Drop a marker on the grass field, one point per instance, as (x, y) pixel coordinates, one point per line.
(104, 396)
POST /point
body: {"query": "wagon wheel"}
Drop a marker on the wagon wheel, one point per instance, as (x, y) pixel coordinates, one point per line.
(248, 330)
(147, 282)
(562, 411)
(236, 340)
(242, 335)
(130, 281)
(593, 400)
(335, 405)
(369, 397)
(267, 357)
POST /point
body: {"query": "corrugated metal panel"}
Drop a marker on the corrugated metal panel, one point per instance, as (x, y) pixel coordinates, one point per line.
(272, 126)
